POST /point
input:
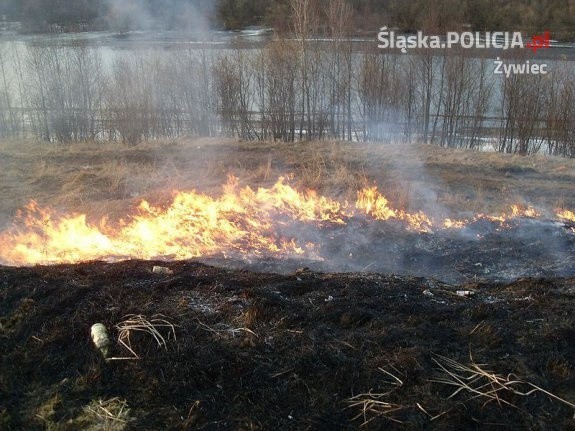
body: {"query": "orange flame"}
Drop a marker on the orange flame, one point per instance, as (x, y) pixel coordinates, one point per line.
(454, 224)
(566, 215)
(372, 203)
(516, 211)
(241, 220)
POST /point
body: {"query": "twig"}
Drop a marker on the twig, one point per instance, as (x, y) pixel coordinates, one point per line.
(371, 403)
(431, 417)
(230, 330)
(138, 322)
(114, 410)
(485, 384)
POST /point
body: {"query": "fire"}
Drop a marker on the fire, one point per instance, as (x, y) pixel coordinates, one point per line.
(566, 215)
(515, 211)
(372, 203)
(281, 197)
(241, 220)
(454, 224)
(70, 239)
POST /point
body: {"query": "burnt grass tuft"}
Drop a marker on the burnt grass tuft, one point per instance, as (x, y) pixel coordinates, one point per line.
(265, 351)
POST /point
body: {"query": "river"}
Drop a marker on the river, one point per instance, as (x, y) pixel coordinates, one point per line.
(111, 46)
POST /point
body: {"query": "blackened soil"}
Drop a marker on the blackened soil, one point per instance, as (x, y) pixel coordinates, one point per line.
(264, 351)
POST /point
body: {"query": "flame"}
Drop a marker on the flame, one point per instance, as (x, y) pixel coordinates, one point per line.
(515, 212)
(70, 239)
(372, 203)
(566, 215)
(454, 224)
(241, 220)
(529, 212)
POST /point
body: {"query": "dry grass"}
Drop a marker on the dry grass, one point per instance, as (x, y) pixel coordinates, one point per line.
(97, 178)
(477, 382)
(372, 405)
(559, 368)
(47, 411)
(253, 315)
(108, 415)
(139, 323)
(486, 335)
(224, 331)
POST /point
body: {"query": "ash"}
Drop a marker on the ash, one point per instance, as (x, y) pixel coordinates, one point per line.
(482, 251)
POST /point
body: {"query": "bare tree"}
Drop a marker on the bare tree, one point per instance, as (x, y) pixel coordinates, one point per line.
(192, 98)
(481, 101)
(8, 117)
(305, 23)
(233, 87)
(522, 103)
(128, 100)
(381, 90)
(276, 86)
(459, 99)
(560, 111)
(66, 91)
(424, 65)
(339, 22)
(37, 62)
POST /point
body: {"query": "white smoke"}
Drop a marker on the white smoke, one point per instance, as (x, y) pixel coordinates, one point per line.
(190, 15)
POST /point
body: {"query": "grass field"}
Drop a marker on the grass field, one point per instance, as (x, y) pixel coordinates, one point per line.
(105, 178)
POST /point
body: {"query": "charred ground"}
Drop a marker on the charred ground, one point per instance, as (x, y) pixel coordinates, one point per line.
(263, 351)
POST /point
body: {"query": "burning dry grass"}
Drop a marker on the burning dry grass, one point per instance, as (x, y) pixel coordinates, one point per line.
(101, 183)
(424, 187)
(262, 222)
(85, 175)
(567, 215)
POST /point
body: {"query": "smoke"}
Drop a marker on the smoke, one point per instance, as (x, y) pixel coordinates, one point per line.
(422, 187)
(189, 15)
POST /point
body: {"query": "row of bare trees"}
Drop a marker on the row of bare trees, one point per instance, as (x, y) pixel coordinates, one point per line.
(66, 94)
(289, 89)
(538, 112)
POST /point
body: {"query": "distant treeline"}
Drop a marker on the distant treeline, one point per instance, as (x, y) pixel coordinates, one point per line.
(121, 15)
(558, 16)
